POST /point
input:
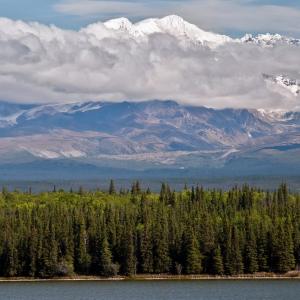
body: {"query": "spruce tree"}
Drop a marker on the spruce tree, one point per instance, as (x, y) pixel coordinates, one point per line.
(217, 261)
(192, 259)
(106, 266)
(251, 263)
(161, 258)
(10, 259)
(262, 250)
(128, 259)
(236, 258)
(283, 251)
(82, 257)
(112, 189)
(146, 251)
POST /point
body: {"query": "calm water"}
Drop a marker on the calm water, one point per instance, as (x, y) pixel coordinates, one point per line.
(165, 290)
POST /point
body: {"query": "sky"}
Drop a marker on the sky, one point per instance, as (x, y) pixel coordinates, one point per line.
(233, 17)
(73, 61)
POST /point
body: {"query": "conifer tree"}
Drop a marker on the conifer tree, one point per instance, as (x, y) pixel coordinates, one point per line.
(10, 259)
(262, 250)
(80, 191)
(192, 256)
(128, 262)
(251, 263)
(32, 253)
(82, 257)
(146, 251)
(217, 261)
(50, 255)
(161, 258)
(283, 252)
(106, 266)
(236, 255)
(193, 196)
(138, 187)
(112, 189)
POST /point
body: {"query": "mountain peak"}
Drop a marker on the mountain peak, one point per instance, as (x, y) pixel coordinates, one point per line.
(174, 20)
(118, 24)
(290, 84)
(270, 40)
(181, 29)
(173, 25)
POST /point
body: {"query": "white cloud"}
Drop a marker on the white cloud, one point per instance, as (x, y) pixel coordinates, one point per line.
(219, 15)
(92, 7)
(47, 64)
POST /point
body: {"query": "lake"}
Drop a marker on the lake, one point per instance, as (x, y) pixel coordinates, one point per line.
(152, 290)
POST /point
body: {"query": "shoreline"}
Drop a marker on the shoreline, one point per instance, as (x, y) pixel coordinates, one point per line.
(162, 277)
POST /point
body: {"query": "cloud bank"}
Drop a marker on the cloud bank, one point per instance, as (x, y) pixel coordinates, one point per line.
(45, 64)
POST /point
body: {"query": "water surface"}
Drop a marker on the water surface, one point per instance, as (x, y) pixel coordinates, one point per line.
(152, 290)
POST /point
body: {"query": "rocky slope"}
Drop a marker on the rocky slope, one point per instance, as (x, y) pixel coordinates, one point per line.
(143, 135)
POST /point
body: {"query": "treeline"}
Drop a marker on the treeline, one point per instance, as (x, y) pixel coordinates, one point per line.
(195, 231)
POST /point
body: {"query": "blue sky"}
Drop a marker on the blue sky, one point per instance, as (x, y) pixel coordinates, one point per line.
(234, 17)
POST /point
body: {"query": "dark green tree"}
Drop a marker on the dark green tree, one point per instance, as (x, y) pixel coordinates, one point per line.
(112, 189)
(192, 256)
(217, 261)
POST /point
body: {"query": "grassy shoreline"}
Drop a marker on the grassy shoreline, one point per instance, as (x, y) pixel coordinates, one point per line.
(166, 277)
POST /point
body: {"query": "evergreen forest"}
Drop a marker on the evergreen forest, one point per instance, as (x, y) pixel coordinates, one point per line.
(243, 230)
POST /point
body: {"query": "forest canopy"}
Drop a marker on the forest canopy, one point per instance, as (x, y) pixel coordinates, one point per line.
(195, 231)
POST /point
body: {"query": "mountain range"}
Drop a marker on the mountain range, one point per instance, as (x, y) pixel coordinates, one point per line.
(156, 137)
(151, 136)
(179, 28)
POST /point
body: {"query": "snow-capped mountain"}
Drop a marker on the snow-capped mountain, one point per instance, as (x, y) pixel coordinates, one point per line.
(270, 40)
(291, 85)
(182, 30)
(173, 25)
(151, 59)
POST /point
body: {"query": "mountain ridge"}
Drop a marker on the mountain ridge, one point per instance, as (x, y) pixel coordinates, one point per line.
(179, 28)
(149, 135)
